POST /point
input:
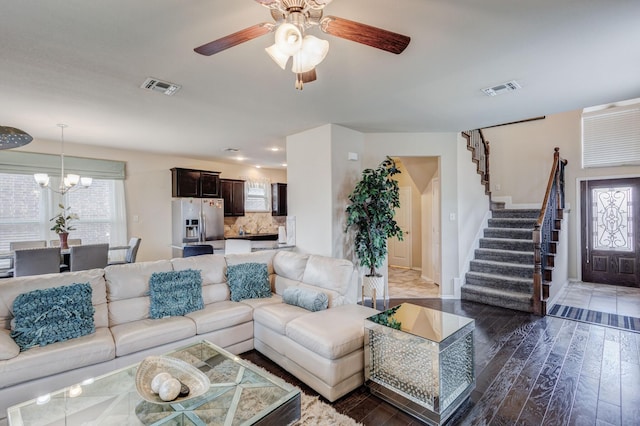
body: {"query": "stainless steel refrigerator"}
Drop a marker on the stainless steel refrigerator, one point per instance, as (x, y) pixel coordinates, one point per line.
(197, 220)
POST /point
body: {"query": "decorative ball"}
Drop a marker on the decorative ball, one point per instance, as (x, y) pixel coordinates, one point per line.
(169, 389)
(158, 380)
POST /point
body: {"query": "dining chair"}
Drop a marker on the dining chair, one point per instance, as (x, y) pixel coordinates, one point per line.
(20, 245)
(232, 246)
(131, 254)
(36, 261)
(88, 256)
(197, 250)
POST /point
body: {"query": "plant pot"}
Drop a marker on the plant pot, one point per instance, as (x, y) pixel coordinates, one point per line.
(63, 240)
(373, 286)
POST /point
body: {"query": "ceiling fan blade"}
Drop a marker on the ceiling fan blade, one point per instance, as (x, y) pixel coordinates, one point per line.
(235, 39)
(365, 34)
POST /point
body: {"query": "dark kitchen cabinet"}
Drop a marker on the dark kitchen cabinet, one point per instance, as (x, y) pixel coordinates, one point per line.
(232, 192)
(195, 183)
(278, 199)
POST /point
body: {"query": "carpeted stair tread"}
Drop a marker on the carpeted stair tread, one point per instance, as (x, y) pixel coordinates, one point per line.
(507, 244)
(516, 213)
(512, 223)
(509, 256)
(510, 233)
(499, 282)
(515, 270)
(495, 297)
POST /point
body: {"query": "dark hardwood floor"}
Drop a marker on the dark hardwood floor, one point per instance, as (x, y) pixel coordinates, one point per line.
(529, 370)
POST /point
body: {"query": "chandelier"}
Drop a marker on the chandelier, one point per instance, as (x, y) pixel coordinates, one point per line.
(10, 137)
(68, 182)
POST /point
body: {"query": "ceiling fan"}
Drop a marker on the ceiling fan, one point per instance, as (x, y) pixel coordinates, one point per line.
(292, 18)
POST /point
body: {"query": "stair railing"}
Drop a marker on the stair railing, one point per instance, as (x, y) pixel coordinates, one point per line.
(479, 147)
(545, 231)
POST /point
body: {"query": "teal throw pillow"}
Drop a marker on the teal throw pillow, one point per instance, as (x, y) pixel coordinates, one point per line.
(52, 315)
(305, 298)
(175, 293)
(248, 281)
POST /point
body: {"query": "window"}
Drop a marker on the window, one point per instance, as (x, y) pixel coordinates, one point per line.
(26, 209)
(257, 196)
(611, 136)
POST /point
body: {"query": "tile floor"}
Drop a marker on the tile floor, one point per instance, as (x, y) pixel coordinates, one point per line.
(407, 284)
(602, 298)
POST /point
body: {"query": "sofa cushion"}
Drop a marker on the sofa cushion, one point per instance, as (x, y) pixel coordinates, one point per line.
(147, 333)
(52, 315)
(248, 281)
(276, 316)
(290, 265)
(262, 256)
(329, 273)
(175, 293)
(219, 315)
(305, 298)
(58, 357)
(128, 290)
(8, 346)
(317, 331)
(132, 279)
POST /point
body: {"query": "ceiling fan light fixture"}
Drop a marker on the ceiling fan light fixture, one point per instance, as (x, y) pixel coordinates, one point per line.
(278, 56)
(313, 51)
(288, 38)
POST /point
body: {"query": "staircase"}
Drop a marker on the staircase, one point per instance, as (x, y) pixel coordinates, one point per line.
(501, 273)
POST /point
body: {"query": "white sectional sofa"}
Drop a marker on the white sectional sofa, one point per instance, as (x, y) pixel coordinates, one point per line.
(324, 349)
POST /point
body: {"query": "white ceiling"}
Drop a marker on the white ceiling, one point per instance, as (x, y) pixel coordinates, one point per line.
(81, 63)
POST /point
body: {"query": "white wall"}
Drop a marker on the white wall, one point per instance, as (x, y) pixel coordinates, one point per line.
(443, 145)
(345, 174)
(148, 187)
(473, 206)
(309, 191)
(320, 178)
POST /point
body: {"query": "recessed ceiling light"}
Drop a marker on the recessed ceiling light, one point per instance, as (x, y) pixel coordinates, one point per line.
(258, 166)
(240, 158)
(275, 149)
(284, 164)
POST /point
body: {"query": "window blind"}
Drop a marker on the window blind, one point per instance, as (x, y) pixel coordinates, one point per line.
(611, 137)
(30, 162)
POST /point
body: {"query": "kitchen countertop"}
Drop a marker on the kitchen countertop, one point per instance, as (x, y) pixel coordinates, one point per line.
(218, 245)
(258, 236)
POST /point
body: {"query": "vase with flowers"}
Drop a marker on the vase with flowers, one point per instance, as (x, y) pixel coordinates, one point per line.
(63, 224)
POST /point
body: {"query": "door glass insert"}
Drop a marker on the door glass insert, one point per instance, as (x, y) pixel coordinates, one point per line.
(612, 219)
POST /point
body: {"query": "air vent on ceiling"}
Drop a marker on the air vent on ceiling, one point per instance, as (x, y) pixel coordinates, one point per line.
(163, 87)
(509, 86)
(231, 150)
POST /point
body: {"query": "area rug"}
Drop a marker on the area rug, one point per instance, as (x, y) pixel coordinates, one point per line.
(622, 322)
(315, 412)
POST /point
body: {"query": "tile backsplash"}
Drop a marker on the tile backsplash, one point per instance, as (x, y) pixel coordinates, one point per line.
(254, 223)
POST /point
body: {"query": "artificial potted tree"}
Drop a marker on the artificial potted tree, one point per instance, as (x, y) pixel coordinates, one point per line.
(63, 224)
(371, 213)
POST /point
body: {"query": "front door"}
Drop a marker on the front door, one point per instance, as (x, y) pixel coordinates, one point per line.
(610, 214)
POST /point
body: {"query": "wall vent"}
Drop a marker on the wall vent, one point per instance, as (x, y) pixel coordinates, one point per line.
(509, 86)
(164, 87)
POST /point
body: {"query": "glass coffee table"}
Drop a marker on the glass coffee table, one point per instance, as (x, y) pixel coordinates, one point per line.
(420, 360)
(240, 394)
